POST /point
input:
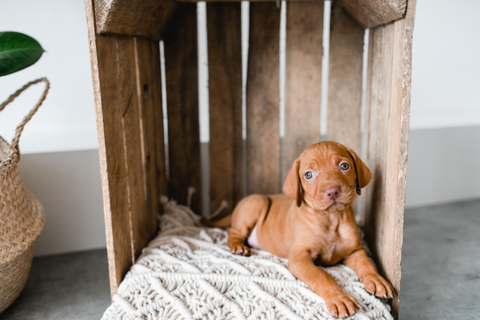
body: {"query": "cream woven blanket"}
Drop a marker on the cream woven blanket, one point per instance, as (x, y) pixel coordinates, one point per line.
(188, 272)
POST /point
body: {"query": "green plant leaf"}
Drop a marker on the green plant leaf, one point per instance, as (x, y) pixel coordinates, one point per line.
(17, 51)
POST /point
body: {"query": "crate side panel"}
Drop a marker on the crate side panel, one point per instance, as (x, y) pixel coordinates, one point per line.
(117, 85)
(143, 230)
(372, 13)
(387, 142)
(144, 18)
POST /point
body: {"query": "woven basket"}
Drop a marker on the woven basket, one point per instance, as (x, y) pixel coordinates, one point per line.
(21, 214)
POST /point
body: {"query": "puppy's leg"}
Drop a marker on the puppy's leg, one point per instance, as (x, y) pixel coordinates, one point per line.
(339, 303)
(244, 217)
(374, 283)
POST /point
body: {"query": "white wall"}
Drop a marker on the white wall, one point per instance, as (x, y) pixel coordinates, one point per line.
(66, 120)
(446, 65)
(445, 115)
(68, 186)
(443, 165)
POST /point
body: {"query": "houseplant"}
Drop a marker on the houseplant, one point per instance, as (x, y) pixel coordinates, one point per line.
(21, 214)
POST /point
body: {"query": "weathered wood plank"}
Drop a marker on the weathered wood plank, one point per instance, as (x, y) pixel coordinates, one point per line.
(345, 80)
(132, 138)
(111, 85)
(145, 18)
(372, 13)
(142, 222)
(303, 73)
(386, 144)
(225, 95)
(263, 136)
(159, 128)
(182, 102)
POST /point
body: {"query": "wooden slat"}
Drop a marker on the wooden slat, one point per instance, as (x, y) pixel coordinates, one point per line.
(372, 13)
(149, 18)
(182, 102)
(159, 128)
(132, 138)
(225, 95)
(112, 84)
(263, 137)
(345, 80)
(386, 144)
(143, 223)
(145, 18)
(302, 79)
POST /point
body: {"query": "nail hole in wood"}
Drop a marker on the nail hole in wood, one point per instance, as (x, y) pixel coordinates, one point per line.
(145, 90)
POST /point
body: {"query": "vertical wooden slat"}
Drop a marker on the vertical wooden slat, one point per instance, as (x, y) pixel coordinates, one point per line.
(142, 227)
(302, 79)
(111, 60)
(182, 102)
(132, 138)
(345, 80)
(159, 129)
(225, 95)
(263, 136)
(386, 143)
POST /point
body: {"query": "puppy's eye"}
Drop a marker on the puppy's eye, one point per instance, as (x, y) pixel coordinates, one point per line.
(344, 166)
(308, 175)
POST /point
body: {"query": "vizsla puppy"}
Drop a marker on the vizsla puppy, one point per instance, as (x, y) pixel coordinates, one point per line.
(312, 224)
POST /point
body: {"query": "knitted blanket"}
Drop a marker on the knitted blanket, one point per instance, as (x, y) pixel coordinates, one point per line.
(188, 272)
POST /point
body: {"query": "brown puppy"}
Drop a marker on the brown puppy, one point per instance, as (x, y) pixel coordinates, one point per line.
(313, 223)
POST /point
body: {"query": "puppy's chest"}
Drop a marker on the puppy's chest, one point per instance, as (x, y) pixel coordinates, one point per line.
(332, 248)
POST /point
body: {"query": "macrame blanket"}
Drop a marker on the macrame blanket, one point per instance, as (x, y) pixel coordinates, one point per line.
(188, 272)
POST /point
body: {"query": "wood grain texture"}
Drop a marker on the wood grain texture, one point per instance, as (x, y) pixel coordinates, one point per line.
(225, 97)
(112, 84)
(156, 91)
(144, 18)
(144, 224)
(303, 73)
(132, 139)
(345, 80)
(386, 143)
(182, 102)
(263, 136)
(372, 13)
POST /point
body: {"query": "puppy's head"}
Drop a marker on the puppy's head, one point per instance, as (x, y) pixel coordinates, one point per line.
(327, 176)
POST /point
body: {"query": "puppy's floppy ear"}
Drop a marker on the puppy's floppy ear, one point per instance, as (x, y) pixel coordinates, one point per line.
(363, 173)
(292, 186)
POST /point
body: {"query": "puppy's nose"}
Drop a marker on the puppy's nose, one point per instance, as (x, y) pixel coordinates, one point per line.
(332, 193)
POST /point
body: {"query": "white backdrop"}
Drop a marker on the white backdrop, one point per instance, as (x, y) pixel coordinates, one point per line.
(446, 66)
(66, 121)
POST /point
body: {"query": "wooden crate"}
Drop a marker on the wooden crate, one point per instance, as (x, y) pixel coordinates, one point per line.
(124, 40)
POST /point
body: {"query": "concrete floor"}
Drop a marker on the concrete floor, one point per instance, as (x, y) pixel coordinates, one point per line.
(69, 286)
(441, 273)
(441, 263)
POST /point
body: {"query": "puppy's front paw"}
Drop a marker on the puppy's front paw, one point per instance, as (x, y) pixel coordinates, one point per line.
(376, 285)
(341, 305)
(241, 250)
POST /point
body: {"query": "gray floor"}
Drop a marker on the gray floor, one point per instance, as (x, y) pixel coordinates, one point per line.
(441, 263)
(441, 272)
(61, 287)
